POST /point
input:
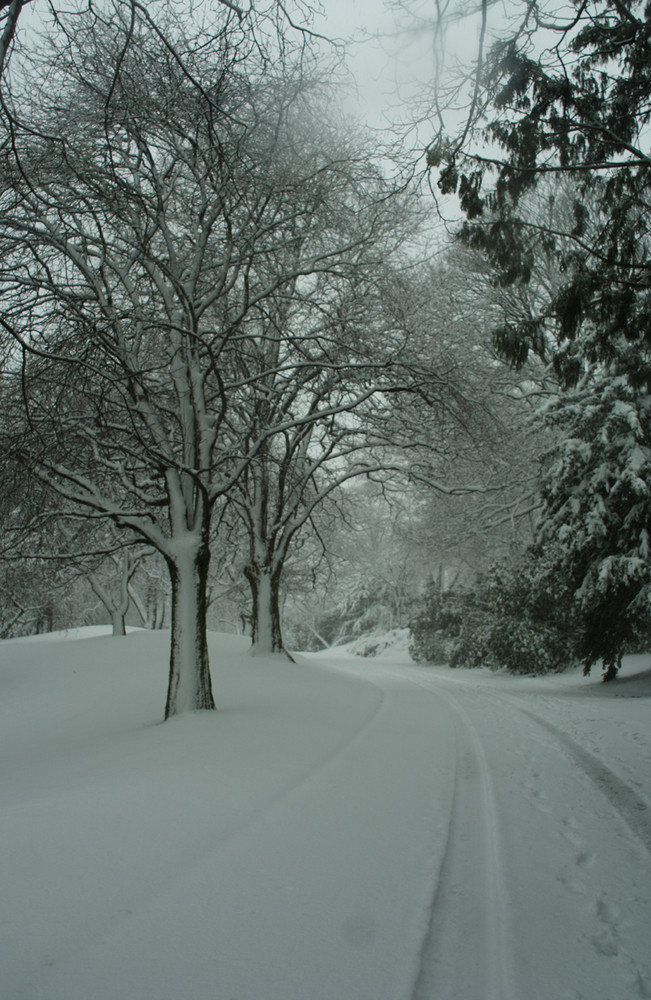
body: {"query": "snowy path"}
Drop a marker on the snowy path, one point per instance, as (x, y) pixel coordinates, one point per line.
(344, 830)
(476, 945)
(562, 844)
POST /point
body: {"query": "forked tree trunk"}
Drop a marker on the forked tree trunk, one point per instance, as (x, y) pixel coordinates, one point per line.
(189, 686)
(118, 621)
(116, 606)
(266, 634)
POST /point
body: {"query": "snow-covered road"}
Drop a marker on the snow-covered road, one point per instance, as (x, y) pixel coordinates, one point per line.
(340, 830)
(548, 862)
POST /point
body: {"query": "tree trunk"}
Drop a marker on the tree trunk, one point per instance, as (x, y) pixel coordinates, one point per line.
(266, 634)
(160, 611)
(116, 607)
(189, 686)
(117, 620)
(151, 609)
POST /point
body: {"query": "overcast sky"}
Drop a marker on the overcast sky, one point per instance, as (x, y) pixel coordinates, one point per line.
(390, 66)
(392, 57)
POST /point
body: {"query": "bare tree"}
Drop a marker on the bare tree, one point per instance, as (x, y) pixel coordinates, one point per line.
(438, 421)
(270, 25)
(146, 220)
(149, 592)
(327, 361)
(10, 11)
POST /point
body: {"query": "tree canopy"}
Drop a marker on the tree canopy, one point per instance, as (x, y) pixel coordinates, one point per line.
(565, 93)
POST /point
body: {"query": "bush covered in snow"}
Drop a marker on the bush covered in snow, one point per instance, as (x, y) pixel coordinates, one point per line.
(582, 591)
(507, 620)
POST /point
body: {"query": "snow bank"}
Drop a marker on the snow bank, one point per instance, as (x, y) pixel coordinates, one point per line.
(266, 850)
(66, 635)
(392, 644)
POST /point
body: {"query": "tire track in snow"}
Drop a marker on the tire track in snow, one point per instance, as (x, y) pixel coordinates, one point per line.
(466, 950)
(630, 806)
(634, 810)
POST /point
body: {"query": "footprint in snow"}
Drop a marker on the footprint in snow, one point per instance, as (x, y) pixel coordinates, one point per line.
(606, 941)
(571, 831)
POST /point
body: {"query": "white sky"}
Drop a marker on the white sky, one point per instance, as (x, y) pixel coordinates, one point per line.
(390, 68)
(393, 58)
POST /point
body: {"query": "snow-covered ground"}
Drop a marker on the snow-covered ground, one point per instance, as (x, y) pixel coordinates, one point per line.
(341, 829)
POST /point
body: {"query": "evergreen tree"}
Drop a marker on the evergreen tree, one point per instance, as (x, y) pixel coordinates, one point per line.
(596, 515)
(566, 94)
(577, 108)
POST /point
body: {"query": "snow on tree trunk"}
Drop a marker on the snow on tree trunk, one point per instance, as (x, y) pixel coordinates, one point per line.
(190, 686)
(266, 634)
(117, 620)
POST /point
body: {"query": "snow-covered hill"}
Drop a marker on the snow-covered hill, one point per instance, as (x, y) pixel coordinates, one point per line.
(341, 829)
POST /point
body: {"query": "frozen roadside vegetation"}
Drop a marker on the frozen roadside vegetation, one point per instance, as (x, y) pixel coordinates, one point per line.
(341, 827)
(391, 643)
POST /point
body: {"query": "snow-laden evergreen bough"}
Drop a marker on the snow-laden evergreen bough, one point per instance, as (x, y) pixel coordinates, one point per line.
(596, 516)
